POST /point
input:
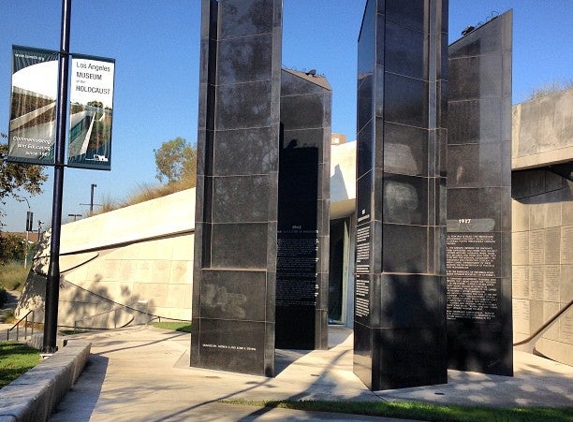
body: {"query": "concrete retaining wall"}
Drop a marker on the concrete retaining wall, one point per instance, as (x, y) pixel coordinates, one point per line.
(34, 396)
(120, 266)
(543, 131)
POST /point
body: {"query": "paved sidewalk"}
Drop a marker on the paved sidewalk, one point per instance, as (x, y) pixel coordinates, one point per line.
(11, 304)
(143, 374)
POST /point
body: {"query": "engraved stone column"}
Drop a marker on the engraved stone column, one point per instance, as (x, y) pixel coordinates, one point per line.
(237, 183)
(400, 326)
(303, 215)
(479, 200)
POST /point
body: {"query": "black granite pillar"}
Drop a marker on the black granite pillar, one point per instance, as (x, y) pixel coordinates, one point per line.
(237, 184)
(400, 296)
(479, 200)
(303, 213)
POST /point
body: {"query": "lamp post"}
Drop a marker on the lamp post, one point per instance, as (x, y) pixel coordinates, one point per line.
(53, 279)
(40, 230)
(92, 198)
(29, 222)
(91, 204)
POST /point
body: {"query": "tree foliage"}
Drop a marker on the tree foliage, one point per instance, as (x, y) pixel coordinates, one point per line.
(176, 162)
(17, 178)
(12, 248)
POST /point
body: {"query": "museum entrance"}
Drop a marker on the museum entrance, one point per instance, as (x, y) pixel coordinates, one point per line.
(338, 266)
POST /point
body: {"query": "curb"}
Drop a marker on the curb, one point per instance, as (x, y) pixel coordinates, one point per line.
(34, 396)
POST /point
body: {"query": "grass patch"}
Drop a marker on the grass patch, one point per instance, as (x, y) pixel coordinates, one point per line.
(13, 276)
(422, 411)
(15, 360)
(145, 193)
(183, 326)
(8, 316)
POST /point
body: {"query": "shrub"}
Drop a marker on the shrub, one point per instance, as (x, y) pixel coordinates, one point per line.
(13, 276)
(550, 88)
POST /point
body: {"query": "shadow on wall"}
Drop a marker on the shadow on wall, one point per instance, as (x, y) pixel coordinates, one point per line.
(540, 186)
(83, 309)
(79, 307)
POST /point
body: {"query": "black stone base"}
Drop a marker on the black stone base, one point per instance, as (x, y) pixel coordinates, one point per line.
(390, 358)
(480, 348)
(301, 328)
(235, 346)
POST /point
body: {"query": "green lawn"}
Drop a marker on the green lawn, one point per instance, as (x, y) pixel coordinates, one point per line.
(425, 412)
(183, 326)
(16, 359)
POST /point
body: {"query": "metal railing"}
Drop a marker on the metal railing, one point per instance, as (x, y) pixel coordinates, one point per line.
(114, 310)
(27, 322)
(528, 344)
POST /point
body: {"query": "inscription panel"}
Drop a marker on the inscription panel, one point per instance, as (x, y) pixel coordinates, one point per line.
(521, 316)
(128, 270)
(296, 268)
(473, 265)
(566, 327)
(567, 245)
(520, 279)
(362, 299)
(520, 248)
(536, 283)
(549, 310)
(475, 254)
(553, 246)
(473, 298)
(363, 246)
(537, 247)
(362, 307)
(551, 285)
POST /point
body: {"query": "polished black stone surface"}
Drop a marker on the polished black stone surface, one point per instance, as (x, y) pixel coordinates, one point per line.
(302, 237)
(400, 325)
(237, 186)
(479, 203)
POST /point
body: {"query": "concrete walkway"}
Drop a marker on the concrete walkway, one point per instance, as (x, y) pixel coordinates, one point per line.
(143, 374)
(11, 303)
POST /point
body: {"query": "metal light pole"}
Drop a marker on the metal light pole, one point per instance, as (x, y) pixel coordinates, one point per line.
(40, 230)
(92, 198)
(53, 280)
(29, 218)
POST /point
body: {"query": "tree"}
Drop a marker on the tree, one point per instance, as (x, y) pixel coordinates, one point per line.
(176, 162)
(15, 178)
(12, 248)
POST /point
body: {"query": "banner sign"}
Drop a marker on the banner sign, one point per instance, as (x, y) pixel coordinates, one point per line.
(32, 128)
(91, 112)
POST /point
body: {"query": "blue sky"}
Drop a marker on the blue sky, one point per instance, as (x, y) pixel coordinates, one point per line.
(156, 48)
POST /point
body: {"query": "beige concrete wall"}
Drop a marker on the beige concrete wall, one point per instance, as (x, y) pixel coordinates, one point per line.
(342, 180)
(170, 214)
(118, 266)
(542, 249)
(542, 131)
